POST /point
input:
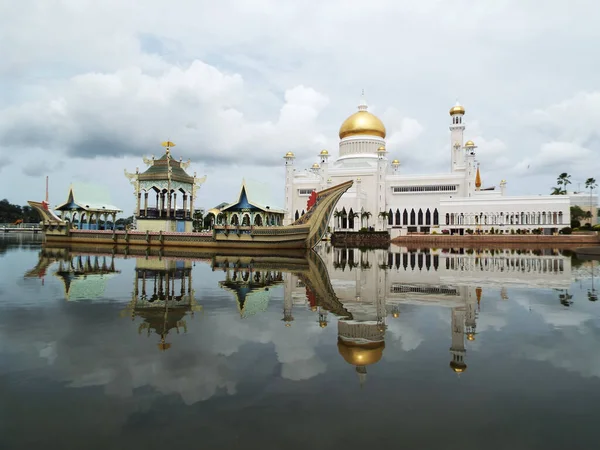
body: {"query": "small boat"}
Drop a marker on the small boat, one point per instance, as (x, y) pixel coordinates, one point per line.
(305, 232)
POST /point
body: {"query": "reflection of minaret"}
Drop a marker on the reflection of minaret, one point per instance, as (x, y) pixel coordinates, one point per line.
(471, 318)
(322, 317)
(458, 340)
(287, 309)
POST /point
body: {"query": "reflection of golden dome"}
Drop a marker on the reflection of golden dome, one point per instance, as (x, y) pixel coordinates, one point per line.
(395, 314)
(323, 324)
(288, 324)
(362, 122)
(361, 354)
(471, 336)
(458, 367)
(469, 144)
(324, 152)
(457, 109)
(313, 308)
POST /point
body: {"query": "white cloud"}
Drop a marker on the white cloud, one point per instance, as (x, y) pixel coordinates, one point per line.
(115, 78)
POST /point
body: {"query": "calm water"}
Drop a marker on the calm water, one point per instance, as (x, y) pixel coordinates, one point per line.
(431, 349)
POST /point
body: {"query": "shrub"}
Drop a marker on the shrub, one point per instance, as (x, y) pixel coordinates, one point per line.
(566, 230)
(512, 231)
(575, 223)
(596, 227)
(434, 232)
(363, 230)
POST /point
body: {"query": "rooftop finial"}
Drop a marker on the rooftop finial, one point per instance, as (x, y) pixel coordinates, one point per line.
(362, 106)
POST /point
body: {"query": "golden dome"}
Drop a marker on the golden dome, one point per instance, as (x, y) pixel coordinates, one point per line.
(381, 149)
(395, 314)
(289, 155)
(361, 354)
(458, 367)
(457, 109)
(395, 161)
(471, 336)
(323, 324)
(324, 152)
(469, 144)
(315, 166)
(362, 123)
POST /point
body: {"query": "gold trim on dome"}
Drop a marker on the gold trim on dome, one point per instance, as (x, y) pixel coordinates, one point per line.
(361, 354)
(362, 123)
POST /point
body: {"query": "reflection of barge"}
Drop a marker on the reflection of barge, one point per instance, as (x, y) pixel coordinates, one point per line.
(303, 233)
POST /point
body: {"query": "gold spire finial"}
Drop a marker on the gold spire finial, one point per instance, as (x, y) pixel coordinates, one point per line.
(478, 178)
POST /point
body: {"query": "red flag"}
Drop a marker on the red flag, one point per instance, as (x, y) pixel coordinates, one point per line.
(311, 200)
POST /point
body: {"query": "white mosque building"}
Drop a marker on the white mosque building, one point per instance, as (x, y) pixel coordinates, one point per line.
(386, 199)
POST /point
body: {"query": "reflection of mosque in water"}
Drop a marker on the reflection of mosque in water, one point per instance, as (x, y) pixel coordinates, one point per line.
(374, 285)
(363, 289)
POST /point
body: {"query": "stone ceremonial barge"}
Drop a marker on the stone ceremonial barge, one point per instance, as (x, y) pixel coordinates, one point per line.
(305, 232)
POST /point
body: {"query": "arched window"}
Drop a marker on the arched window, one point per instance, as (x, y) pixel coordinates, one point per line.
(436, 218)
(420, 217)
(390, 217)
(447, 219)
(351, 219)
(398, 217)
(412, 217)
(427, 217)
(297, 216)
(405, 217)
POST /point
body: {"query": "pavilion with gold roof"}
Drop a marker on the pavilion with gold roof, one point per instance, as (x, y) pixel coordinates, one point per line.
(165, 193)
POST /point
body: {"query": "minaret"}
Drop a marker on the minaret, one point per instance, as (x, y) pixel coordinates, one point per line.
(380, 200)
(289, 188)
(503, 188)
(471, 169)
(324, 157)
(395, 166)
(457, 128)
(458, 340)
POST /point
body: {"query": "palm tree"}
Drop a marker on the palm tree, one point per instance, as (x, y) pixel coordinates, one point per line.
(591, 184)
(353, 216)
(384, 215)
(556, 191)
(564, 179)
(337, 215)
(366, 215)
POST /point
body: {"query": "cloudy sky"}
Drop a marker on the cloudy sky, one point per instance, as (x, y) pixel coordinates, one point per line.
(87, 88)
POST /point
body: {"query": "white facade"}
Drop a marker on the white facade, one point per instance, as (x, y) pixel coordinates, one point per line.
(384, 198)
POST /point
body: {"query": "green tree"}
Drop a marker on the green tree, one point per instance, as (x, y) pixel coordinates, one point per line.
(577, 213)
(366, 215)
(591, 184)
(353, 215)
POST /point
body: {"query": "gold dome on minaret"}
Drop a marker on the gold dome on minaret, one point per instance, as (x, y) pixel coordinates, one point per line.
(457, 109)
(361, 354)
(361, 123)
